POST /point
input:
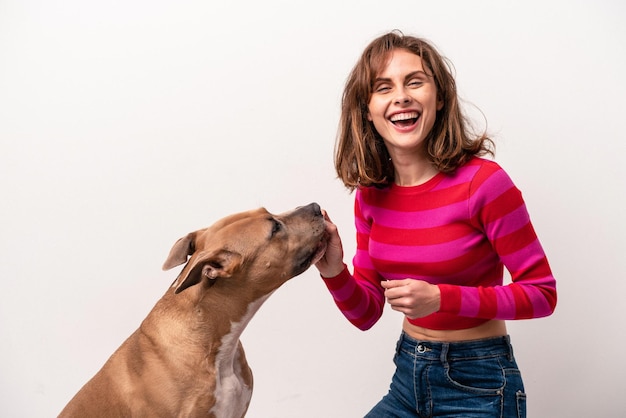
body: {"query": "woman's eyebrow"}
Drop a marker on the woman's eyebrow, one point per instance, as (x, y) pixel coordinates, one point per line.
(416, 73)
(407, 77)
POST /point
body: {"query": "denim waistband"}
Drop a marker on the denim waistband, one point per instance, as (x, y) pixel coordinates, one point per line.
(435, 350)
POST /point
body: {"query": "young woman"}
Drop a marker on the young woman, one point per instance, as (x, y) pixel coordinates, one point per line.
(436, 224)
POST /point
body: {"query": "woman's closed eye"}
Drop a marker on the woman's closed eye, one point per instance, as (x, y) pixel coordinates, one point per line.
(382, 88)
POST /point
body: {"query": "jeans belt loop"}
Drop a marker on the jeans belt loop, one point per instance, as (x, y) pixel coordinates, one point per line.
(445, 348)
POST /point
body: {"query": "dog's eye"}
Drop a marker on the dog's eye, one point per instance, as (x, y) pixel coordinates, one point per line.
(276, 227)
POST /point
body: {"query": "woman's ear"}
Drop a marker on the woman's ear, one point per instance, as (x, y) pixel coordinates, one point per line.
(439, 102)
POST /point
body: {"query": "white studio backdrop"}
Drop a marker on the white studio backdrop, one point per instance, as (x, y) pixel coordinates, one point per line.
(126, 124)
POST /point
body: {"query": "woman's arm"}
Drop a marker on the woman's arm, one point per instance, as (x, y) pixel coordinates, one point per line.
(498, 209)
(359, 297)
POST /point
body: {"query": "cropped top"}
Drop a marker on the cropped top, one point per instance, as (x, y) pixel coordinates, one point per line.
(457, 231)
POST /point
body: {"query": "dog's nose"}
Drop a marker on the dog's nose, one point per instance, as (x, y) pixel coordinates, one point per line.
(312, 208)
(317, 210)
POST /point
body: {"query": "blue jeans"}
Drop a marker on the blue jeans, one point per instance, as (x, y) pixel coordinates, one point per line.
(468, 379)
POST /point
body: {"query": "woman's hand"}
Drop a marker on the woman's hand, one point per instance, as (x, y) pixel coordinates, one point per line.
(331, 263)
(414, 298)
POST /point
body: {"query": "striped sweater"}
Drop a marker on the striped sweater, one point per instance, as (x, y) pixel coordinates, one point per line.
(457, 231)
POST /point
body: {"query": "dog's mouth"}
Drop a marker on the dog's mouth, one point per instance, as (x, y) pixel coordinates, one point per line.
(314, 256)
(320, 249)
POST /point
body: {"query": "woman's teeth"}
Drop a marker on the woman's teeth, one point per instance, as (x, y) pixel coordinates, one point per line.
(407, 118)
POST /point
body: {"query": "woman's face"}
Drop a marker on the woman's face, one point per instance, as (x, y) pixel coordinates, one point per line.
(404, 103)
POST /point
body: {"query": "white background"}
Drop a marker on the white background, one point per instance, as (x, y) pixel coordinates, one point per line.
(126, 124)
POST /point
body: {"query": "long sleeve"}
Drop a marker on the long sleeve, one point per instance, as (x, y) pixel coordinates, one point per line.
(360, 297)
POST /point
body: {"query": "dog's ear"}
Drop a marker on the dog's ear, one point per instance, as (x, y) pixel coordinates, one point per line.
(220, 264)
(183, 248)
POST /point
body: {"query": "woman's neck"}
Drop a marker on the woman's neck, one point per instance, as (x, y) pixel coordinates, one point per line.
(414, 172)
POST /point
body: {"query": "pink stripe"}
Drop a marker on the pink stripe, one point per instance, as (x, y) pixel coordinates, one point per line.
(506, 303)
(362, 260)
(415, 220)
(498, 183)
(541, 307)
(547, 281)
(464, 174)
(344, 292)
(358, 312)
(424, 253)
(473, 275)
(361, 225)
(470, 302)
(508, 224)
(524, 258)
(407, 275)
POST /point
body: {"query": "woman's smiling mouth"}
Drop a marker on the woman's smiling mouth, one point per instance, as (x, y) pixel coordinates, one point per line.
(404, 119)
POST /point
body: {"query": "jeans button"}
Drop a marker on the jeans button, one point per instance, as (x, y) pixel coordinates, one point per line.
(421, 348)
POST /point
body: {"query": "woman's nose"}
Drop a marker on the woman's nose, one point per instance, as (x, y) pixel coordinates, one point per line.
(402, 97)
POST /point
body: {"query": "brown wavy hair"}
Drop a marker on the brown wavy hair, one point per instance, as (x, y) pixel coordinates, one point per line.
(361, 157)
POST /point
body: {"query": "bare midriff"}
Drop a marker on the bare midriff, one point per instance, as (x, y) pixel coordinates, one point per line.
(490, 329)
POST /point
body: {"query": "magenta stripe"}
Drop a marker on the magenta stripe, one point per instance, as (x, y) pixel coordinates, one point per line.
(411, 275)
(474, 274)
(506, 302)
(524, 258)
(464, 174)
(541, 307)
(345, 291)
(508, 223)
(470, 302)
(361, 225)
(498, 183)
(548, 281)
(358, 312)
(423, 253)
(415, 220)
(362, 260)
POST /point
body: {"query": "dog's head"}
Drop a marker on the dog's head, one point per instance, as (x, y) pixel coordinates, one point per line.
(256, 246)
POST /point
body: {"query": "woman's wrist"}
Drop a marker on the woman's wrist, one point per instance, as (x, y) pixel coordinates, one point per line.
(332, 272)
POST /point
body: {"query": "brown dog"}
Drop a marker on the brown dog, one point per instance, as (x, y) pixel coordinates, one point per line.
(186, 359)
